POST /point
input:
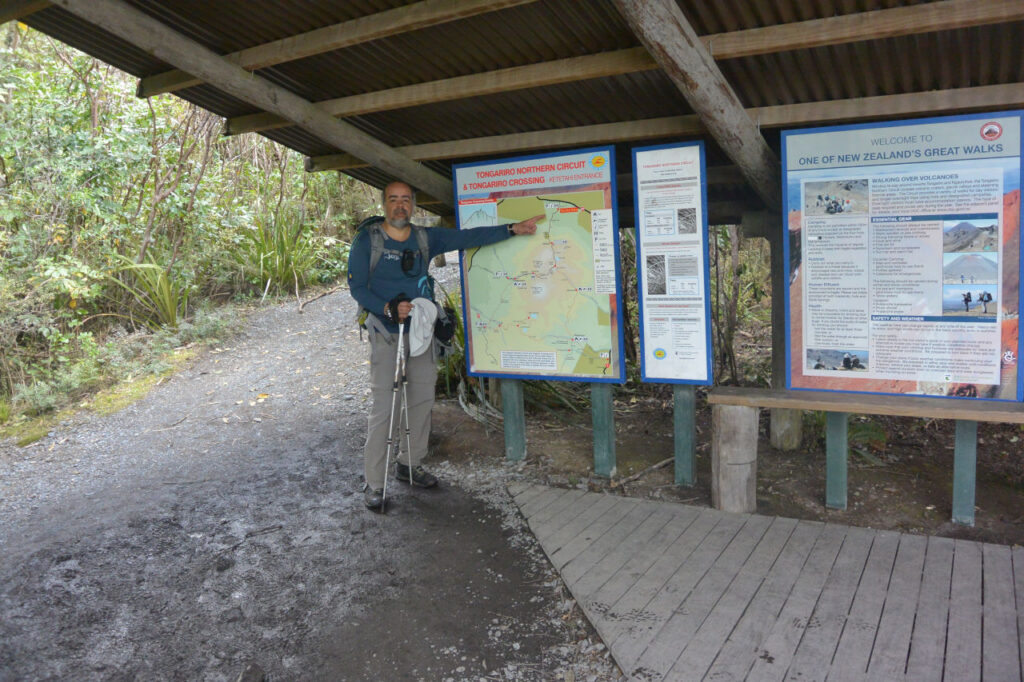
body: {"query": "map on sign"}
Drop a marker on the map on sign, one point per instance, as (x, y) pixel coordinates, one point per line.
(544, 305)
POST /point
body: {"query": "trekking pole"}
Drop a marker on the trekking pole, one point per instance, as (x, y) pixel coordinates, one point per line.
(404, 414)
(391, 421)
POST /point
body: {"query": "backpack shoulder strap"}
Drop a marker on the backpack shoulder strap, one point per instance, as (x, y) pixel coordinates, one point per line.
(424, 242)
(376, 235)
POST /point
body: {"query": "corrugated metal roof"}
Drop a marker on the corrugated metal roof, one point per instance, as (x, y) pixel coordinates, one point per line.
(542, 31)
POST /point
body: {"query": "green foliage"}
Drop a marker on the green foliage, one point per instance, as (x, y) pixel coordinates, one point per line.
(161, 296)
(864, 435)
(121, 219)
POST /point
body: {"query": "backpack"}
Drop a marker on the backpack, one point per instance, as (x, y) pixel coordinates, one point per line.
(444, 328)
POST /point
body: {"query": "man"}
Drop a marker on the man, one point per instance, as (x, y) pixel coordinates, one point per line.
(398, 277)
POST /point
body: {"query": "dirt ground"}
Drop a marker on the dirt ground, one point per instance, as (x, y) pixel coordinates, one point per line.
(217, 525)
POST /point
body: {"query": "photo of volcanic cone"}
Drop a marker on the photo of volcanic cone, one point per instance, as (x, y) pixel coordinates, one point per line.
(970, 268)
(970, 235)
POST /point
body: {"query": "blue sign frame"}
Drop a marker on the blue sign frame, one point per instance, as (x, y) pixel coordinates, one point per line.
(786, 209)
(609, 151)
(706, 270)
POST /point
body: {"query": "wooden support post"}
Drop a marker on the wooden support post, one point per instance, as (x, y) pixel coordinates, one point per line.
(603, 416)
(734, 458)
(515, 419)
(965, 454)
(836, 449)
(684, 422)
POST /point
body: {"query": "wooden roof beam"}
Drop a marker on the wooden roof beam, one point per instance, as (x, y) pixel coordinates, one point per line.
(663, 29)
(989, 97)
(16, 9)
(329, 38)
(148, 34)
(876, 24)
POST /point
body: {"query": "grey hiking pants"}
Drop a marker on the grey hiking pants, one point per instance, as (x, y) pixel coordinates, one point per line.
(421, 373)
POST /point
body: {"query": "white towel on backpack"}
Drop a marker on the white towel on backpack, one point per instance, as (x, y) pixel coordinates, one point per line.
(421, 327)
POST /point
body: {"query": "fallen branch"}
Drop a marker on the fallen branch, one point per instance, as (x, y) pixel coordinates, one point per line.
(326, 293)
(630, 479)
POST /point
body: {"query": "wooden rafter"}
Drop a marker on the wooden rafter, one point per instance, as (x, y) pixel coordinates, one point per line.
(364, 29)
(146, 33)
(887, 23)
(883, 106)
(664, 31)
(16, 9)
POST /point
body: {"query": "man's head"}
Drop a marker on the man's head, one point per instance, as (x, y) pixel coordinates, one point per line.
(399, 204)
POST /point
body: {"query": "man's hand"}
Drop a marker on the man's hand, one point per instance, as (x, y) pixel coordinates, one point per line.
(399, 308)
(528, 226)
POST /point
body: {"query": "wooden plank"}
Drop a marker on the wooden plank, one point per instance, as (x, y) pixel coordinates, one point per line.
(544, 531)
(928, 641)
(666, 33)
(825, 625)
(632, 617)
(853, 654)
(645, 539)
(599, 65)
(18, 9)
(602, 414)
(1000, 651)
(906, 406)
(872, 25)
(546, 497)
(684, 432)
(836, 452)
(329, 38)
(722, 618)
(528, 494)
(600, 601)
(963, 636)
(609, 542)
(591, 508)
(965, 465)
(703, 577)
(557, 509)
(517, 488)
(736, 656)
(592, 524)
(513, 419)
(892, 642)
(148, 34)
(960, 99)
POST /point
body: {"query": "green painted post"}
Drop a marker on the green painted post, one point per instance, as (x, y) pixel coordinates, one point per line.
(965, 458)
(683, 422)
(515, 419)
(835, 460)
(603, 417)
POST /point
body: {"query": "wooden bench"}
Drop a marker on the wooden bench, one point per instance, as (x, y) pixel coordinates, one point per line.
(734, 418)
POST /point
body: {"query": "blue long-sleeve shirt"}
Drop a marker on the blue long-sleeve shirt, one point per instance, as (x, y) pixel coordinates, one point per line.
(389, 280)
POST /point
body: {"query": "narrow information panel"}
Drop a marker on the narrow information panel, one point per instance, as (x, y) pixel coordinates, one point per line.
(547, 305)
(904, 257)
(672, 263)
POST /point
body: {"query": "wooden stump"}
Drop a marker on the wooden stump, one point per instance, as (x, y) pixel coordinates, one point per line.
(786, 429)
(734, 458)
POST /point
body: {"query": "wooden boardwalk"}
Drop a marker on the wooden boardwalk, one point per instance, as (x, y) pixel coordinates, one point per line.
(687, 593)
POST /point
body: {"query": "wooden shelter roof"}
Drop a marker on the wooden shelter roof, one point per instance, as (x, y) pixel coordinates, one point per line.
(418, 86)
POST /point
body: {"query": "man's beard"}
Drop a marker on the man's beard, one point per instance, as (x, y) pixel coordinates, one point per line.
(398, 222)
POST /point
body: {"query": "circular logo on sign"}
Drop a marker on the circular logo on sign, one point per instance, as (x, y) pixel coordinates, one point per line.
(660, 353)
(598, 161)
(991, 131)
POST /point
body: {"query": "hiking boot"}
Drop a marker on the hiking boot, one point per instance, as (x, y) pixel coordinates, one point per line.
(419, 476)
(373, 498)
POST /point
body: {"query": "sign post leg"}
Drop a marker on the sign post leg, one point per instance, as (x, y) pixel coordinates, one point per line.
(965, 458)
(684, 427)
(603, 417)
(515, 419)
(836, 449)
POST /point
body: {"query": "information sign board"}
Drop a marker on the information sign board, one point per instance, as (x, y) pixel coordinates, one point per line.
(904, 257)
(548, 305)
(669, 194)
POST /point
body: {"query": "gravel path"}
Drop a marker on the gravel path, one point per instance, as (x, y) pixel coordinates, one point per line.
(217, 524)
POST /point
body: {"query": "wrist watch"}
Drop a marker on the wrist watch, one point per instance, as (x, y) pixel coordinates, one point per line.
(511, 229)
